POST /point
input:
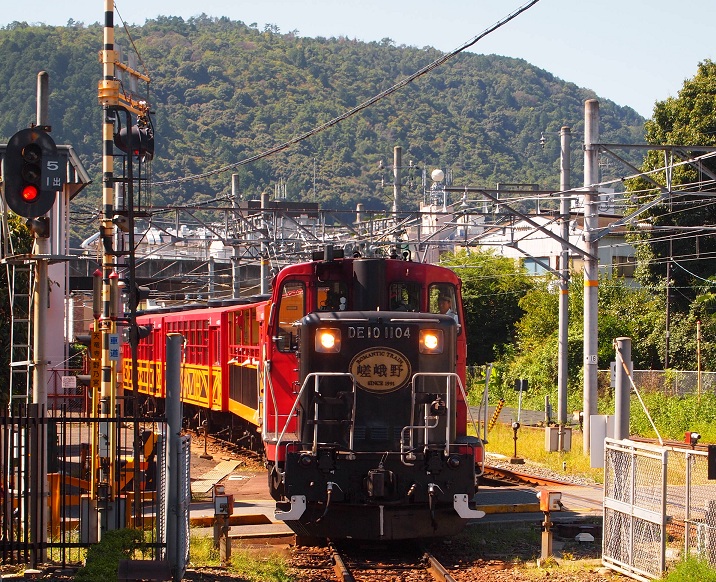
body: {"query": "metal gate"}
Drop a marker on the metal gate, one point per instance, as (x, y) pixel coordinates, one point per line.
(21, 460)
(57, 520)
(659, 506)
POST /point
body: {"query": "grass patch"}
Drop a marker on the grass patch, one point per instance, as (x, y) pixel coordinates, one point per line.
(251, 565)
(692, 570)
(270, 567)
(103, 558)
(202, 552)
(530, 446)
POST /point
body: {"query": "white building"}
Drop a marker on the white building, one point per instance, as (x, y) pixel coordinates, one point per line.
(515, 237)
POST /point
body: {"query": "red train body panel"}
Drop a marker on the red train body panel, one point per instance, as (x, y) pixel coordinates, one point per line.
(355, 382)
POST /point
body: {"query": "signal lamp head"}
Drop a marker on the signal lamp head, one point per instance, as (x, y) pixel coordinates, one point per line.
(431, 341)
(328, 340)
(29, 193)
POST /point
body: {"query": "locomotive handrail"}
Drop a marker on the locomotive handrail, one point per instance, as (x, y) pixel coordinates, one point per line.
(268, 383)
(403, 455)
(316, 376)
(426, 427)
(448, 386)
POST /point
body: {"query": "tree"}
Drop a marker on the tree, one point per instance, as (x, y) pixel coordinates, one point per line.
(224, 92)
(492, 287)
(689, 253)
(623, 311)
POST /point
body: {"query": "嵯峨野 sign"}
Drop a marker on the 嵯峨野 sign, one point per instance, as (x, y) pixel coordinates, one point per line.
(380, 369)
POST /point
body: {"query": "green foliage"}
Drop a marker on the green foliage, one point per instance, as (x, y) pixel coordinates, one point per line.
(685, 119)
(675, 415)
(492, 286)
(624, 311)
(202, 551)
(250, 565)
(103, 558)
(224, 91)
(530, 445)
(692, 570)
(268, 568)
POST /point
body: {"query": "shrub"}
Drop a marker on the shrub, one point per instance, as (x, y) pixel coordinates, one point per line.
(103, 558)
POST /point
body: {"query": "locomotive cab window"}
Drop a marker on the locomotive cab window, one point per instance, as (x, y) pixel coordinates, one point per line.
(291, 308)
(405, 296)
(443, 299)
(332, 296)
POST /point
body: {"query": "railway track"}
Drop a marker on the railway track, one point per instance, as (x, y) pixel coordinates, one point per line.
(405, 562)
(500, 475)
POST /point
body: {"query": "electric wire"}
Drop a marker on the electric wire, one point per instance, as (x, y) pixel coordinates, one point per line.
(358, 108)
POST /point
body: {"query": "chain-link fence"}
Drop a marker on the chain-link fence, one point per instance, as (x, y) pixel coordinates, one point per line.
(675, 382)
(658, 507)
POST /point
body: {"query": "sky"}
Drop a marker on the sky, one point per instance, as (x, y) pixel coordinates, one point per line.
(632, 52)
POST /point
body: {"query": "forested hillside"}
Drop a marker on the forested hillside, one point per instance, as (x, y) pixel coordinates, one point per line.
(223, 91)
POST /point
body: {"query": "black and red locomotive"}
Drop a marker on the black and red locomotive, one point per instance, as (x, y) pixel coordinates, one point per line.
(353, 374)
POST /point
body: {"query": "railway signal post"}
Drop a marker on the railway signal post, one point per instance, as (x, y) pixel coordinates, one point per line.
(135, 140)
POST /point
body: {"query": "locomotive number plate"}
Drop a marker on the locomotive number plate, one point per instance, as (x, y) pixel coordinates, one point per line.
(380, 369)
(378, 332)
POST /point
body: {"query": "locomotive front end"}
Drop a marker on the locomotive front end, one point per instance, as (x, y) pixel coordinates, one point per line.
(378, 456)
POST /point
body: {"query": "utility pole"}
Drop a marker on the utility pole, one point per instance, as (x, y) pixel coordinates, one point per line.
(565, 135)
(138, 141)
(264, 243)
(40, 302)
(667, 334)
(40, 298)
(591, 262)
(235, 262)
(397, 162)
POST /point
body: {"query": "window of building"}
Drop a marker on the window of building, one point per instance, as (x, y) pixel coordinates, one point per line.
(536, 265)
(623, 266)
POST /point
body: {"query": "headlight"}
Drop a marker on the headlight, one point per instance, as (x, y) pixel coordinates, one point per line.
(328, 340)
(431, 341)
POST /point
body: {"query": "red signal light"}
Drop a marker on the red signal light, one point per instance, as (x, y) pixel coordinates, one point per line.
(30, 192)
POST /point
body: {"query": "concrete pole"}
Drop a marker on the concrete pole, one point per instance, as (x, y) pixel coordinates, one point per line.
(212, 276)
(235, 263)
(591, 263)
(622, 388)
(40, 299)
(174, 414)
(565, 135)
(43, 98)
(40, 303)
(264, 244)
(397, 163)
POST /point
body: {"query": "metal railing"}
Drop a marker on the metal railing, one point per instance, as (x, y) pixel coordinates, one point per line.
(658, 507)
